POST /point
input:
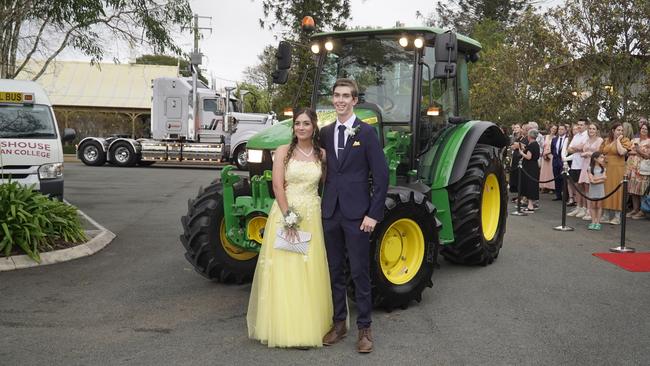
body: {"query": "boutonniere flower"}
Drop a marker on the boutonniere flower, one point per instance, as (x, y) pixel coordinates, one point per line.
(353, 131)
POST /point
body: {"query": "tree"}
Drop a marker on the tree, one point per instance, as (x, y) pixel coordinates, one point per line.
(464, 15)
(610, 44)
(287, 14)
(260, 76)
(255, 100)
(515, 80)
(182, 63)
(41, 30)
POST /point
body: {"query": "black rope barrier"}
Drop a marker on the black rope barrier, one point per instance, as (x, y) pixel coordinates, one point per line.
(535, 179)
(619, 186)
(565, 193)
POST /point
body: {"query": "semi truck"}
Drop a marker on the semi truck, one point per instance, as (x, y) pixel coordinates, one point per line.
(210, 128)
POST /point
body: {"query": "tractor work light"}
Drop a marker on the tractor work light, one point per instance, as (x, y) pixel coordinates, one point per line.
(418, 42)
(433, 111)
(329, 45)
(403, 41)
(315, 48)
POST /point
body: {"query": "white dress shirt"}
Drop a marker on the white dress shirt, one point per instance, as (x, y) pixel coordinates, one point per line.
(348, 124)
(578, 139)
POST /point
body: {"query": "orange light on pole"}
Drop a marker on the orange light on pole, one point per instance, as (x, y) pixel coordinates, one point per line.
(308, 25)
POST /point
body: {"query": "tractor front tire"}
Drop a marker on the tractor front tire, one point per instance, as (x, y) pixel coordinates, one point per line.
(204, 237)
(404, 247)
(478, 204)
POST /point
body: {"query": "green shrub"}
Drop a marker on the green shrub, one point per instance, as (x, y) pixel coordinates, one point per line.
(33, 222)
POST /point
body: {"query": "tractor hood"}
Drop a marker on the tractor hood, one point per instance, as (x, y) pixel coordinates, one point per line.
(280, 133)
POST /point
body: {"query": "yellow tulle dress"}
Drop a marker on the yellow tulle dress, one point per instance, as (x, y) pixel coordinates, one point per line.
(291, 300)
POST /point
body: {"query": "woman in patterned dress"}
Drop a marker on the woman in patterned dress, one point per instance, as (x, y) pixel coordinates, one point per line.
(638, 182)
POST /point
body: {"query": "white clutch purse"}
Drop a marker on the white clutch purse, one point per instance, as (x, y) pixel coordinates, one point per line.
(301, 247)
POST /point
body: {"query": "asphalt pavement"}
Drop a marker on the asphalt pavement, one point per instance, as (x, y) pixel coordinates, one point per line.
(545, 301)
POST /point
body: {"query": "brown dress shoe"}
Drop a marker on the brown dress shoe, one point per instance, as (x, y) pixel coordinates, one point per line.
(338, 332)
(364, 344)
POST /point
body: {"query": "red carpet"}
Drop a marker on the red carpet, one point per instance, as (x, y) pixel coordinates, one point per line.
(633, 262)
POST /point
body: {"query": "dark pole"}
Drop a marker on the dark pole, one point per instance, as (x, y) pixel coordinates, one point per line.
(518, 212)
(565, 196)
(622, 248)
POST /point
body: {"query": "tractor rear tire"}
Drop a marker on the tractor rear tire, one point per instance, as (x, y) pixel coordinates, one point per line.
(478, 206)
(403, 249)
(207, 247)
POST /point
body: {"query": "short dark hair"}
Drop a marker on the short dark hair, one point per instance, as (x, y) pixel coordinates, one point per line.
(347, 82)
(584, 119)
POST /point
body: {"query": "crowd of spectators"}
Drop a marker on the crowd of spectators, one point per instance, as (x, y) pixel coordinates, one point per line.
(597, 160)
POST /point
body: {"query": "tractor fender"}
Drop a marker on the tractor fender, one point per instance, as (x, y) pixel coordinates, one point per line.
(480, 133)
(451, 154)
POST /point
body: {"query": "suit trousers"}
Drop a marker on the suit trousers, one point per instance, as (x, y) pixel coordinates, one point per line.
(343, 235)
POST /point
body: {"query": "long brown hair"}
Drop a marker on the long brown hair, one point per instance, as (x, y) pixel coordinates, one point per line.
(612, 128)
(313, 117)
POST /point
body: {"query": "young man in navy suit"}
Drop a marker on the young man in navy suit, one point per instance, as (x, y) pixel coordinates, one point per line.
(559, 145)
(350, 209)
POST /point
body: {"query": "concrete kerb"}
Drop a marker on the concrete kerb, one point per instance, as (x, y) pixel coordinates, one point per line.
(100, 237)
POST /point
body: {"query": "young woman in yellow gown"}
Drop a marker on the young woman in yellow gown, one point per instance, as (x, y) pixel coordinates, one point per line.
(291, 303)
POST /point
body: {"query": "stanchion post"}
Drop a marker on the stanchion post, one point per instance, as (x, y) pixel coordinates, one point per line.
(565, 196)
(622, 248)
(518, 212)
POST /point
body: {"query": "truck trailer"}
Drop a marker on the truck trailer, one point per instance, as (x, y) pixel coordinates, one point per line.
(207, 128)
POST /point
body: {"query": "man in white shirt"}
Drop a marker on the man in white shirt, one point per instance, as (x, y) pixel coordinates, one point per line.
(575, 148)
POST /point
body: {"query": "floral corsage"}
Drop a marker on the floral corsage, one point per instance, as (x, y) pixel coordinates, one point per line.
(291, 219)
(353, 131)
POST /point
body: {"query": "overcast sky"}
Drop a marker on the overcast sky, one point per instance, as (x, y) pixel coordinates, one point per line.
(236, 38)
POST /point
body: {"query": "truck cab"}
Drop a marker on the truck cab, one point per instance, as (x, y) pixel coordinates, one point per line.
(30, 142)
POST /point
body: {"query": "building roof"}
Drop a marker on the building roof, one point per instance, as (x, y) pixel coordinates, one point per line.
(104, 85)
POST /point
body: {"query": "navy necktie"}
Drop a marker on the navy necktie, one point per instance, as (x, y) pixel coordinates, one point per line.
(341, 144)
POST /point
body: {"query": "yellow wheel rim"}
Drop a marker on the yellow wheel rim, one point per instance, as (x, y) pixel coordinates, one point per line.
(402, 251)
(490, 207)
(255, 228)
(232, 250)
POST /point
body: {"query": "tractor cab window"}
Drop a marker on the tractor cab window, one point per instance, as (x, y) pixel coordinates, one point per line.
(437, 102)
(382, 69)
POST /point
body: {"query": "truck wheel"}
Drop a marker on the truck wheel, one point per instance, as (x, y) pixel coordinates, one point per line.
(241, 157)
(204, 238)
(404, 247)
(478, 206)
(122, 154)
(92, 154)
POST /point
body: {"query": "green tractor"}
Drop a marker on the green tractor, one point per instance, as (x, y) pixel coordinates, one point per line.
(447, 191)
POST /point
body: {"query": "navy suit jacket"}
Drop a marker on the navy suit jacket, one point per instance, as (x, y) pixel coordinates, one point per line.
(347, 180)
(559, 156)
